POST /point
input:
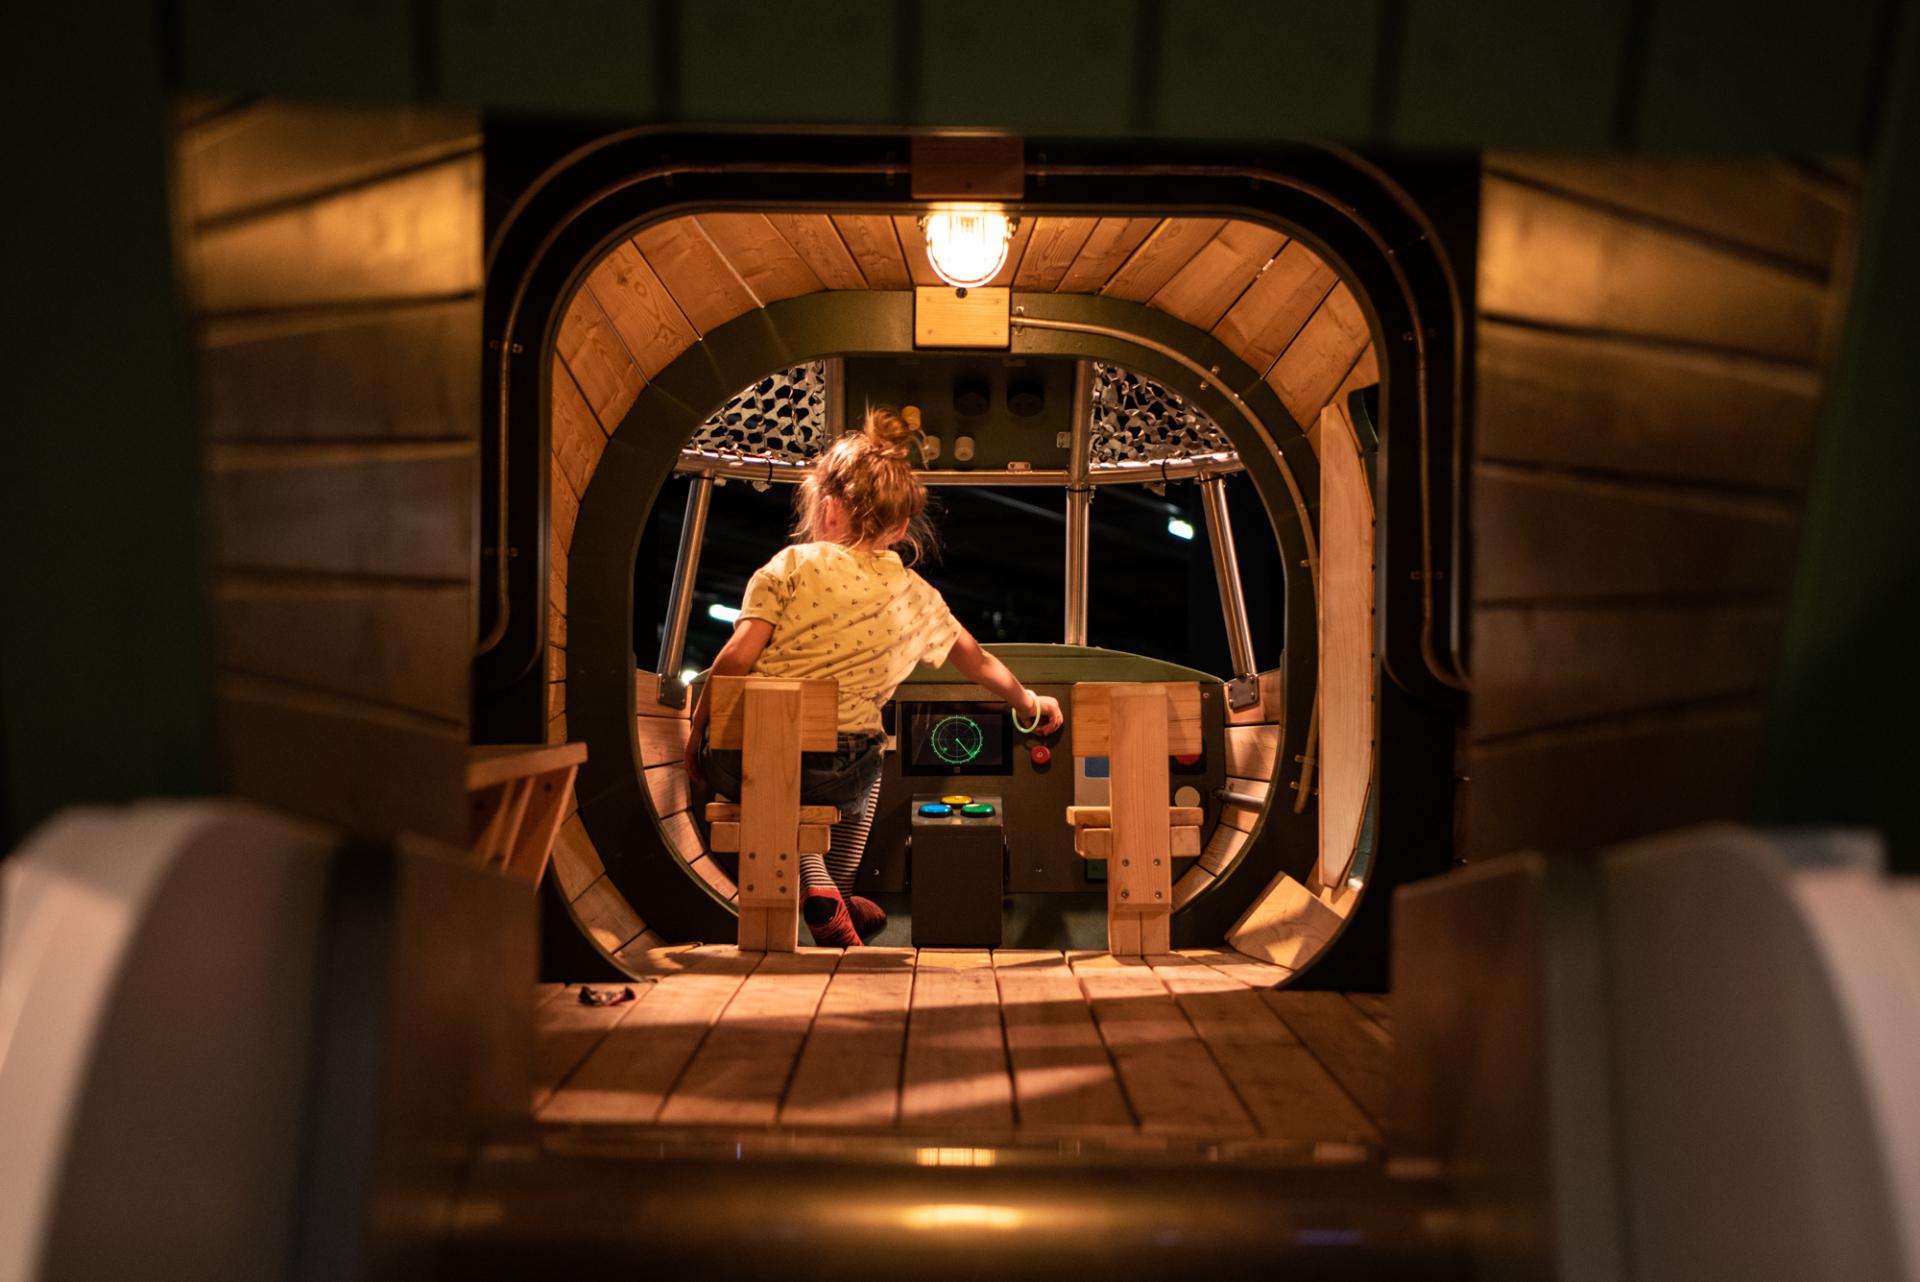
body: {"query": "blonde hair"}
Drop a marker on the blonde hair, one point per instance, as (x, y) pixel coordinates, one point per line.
(870, 475)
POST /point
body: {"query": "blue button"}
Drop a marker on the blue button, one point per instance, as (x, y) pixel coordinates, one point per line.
(936, 809)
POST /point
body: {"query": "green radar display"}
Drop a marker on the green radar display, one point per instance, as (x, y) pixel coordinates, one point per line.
(957, 740)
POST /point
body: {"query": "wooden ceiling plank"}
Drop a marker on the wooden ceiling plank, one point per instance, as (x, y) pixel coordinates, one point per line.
(704, 285)
(1016, 252)
(1318, 360)
(577, 437)
(1056, 243)
(599, 360)
(760, 256)
(643, 313)
(1171, 247)
(814, 238)
(871, 240)
(1201, 292)
(913, 246)
(1106, 248)
(1264, 319)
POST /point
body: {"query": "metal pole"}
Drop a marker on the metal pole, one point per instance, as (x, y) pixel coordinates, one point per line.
(1244, 690)
(686, 566)
(1079, 502)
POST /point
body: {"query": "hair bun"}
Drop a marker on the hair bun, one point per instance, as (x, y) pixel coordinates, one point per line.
(892, 431)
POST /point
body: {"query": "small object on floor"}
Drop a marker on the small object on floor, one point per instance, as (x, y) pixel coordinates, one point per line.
(605, 996)
(869, 918)
(828, 919)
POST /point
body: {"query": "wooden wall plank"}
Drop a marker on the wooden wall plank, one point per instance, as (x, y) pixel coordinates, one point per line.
(1577, 401)
(668, 788)
(816, 240)
(1107, 248)
(1201, 292)
(871, 240)
(605, 916)
(644, 315)
(403, 512)
(1056, 243)
(704, 285)
(416, 375)
(577, 437)
(1252, 751)
(369, 770)
(1317, 361)
(1346, 617)
(1286, 925)
(275, 152)
(1585, 789)
(1544, 537)
(1556, 261)
(1762, 205)
(563, 509)
(599, 361)
(410, 237)
(759, 256)
(575, 861)
(1171, 246)
(401, 646)
(1276, 307)
(1537, 666)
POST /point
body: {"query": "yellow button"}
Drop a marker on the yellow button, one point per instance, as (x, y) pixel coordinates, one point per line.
(958, 799)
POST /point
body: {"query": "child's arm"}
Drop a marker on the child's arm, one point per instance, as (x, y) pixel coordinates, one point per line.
(981, 668)
(736, 659)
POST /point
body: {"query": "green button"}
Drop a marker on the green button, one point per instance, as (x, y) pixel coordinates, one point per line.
(977, 808)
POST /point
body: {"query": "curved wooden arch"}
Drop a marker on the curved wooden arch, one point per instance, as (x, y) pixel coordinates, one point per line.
(1383, 245)
(662, 866)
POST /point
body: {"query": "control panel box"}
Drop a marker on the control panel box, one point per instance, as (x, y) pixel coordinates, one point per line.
(958, 870)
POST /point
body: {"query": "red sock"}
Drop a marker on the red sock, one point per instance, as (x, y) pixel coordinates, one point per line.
(828, 919)
(869, 918)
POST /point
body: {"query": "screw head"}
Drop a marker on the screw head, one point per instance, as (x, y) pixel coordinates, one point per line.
(1126, 894)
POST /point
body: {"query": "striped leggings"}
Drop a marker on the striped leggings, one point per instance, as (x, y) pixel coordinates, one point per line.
(839, 867)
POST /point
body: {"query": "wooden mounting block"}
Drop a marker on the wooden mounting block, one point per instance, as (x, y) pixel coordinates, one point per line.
(1097, 843)
(771, 722)
(1137, 727)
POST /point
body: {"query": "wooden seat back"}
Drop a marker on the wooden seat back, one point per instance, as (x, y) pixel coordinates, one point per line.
(771, 722)
(1137, 726)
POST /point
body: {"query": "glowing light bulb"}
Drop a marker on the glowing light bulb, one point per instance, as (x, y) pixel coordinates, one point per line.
(724, 613)
(967, 244)
(1178, 528)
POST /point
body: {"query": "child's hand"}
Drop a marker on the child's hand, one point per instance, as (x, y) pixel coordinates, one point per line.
(1051, 718)
(692, 758)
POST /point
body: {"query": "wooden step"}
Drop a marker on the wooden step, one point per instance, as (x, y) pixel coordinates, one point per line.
(1097, 843)
(1102, 816)
(815, 839)
(728, 812)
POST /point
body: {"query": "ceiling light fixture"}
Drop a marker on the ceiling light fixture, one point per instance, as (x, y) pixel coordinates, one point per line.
(967, 244)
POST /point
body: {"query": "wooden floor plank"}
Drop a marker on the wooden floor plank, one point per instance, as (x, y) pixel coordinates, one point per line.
(956, 1070)
(1355, 1050)
(1062, 1073)
(1170, 1079)
(628, 1075)
(566, 1032)
(740, 1073)
(1250, 971)
(1291, 1095)
(849, 1069)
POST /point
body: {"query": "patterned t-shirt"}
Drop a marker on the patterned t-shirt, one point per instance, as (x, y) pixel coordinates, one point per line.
(862, 618)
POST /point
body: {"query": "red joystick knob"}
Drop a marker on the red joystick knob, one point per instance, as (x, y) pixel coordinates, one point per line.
(1040, 753)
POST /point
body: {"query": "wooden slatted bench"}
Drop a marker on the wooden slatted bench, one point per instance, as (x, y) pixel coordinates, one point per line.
(771, 722)
(521, 794)
(1137, 727)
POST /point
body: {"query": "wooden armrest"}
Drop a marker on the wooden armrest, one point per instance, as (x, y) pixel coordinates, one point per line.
(728, 812)
(495, 763)
(1102, 816)
(1097, 843)
(815, 839)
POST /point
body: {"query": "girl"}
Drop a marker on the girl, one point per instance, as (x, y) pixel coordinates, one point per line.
(841, 603)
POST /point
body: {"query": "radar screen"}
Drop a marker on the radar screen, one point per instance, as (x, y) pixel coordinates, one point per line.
(955, 739)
